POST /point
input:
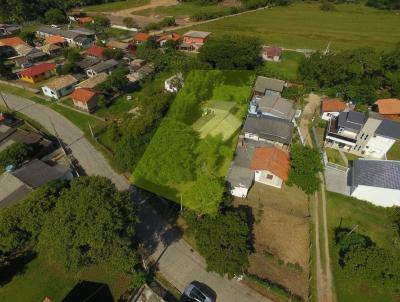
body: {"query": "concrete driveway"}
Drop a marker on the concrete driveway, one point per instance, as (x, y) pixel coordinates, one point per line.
(175, 259)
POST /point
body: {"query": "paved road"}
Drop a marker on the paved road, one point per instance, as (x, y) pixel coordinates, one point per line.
(176, 260)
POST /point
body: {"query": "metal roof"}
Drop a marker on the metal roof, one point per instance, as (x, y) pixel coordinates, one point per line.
(352, 120)
(263, 83)
(276, 106)
(389, 128)
(197, 34)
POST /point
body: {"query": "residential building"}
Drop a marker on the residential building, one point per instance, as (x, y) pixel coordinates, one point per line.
(85, 20)
(7, 46)
(92, 82)
(26, 53)
(15, 185)
(85, 99)
(193, 40)
(174, 83)
(389, 108)
(95, 51)
(161, 40)
(38, 73)
(273, 105)
(272, 53)
(9, 30)
(269, 129)
(114, 44)
(75, 37)
(141, 38)
(106, 66)
(56, 40)
(268, 87)
(376, 181)
(88, 62)
(332, 108)
(51, 49)
(60, 86)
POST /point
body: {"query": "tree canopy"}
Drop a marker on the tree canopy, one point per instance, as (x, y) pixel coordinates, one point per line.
(55, 16)
(15, 155)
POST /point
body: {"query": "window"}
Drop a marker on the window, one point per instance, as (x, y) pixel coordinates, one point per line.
(270, 176)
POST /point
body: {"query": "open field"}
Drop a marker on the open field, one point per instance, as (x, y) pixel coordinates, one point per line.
(371, 221)
(281, 232)
(115, 6)
(304, 25)
(40, 279)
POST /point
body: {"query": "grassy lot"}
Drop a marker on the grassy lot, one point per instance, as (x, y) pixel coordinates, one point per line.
(304, 25)
(41, 279)
(281, 233)
(394, 152)
(287, 68)
(334, 157)
(351, 156)
(182, 10)
(371, 221)
(115, 6)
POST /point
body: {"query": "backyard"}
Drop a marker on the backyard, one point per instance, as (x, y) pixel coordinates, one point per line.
(285, 69)
(304, 25)
(369, 220)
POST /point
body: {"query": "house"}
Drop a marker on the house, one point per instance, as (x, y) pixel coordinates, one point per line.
(272, 53)
(332, 107)
(75, 37)
(95, 51)
(93, 81)
(85, 99)
(376, 181)
(85, 20)
(38, 73)
(175, 37)
(87, 62)
(15, 185)
(114, 44)
(60, 86)
(389, 108)
(106, 66)
(271, 166)
(269, 129)
(356, 133)
(193, 40)
(26, 54)
(7, 45)
(267, 86)
(273, 105)
(141, 38)
(9, 30)
(51, 49)
(174, 83)
(56, 40)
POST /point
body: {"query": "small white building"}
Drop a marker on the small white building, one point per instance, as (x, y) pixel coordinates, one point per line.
(376, 181)
(60, 86)
(174, 83)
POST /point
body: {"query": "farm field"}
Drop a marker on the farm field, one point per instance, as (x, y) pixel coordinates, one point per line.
(170, 174)
(372, 221)
(304, 25)
(115, 6)
(281, 236)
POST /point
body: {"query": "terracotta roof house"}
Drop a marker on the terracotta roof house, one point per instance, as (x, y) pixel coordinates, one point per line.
(59, 86)
(37, 73)
(85, 99)
(57, 40)
(11, 41)
(271, 166)
(272, 53)
(140, 38)
(332, 108)
(95, 51)
(85, 20)
(193, 40)
(390, 108)
(170, 37)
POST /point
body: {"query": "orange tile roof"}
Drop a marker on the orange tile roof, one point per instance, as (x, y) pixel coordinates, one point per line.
(141, 37)
(83, 95)
(54, 39)
(12, 41)
(172, 37)
(271, 159)
(85, 20)
(333, 105)
(388, 106)
(95, 51)
(37, 69)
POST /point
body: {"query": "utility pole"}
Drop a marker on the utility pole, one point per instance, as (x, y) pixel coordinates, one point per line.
(4, 101)
(91, 131)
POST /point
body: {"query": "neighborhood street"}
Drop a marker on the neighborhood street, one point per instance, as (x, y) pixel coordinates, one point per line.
(176, 260)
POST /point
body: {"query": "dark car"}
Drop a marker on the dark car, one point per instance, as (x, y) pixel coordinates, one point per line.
(199, 292)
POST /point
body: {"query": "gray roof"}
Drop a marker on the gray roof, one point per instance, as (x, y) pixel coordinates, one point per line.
(352, 120)
(240, 177)
(58, 32)
(104, 66)
(83, 31)
(263, 83)
(197, 34)
(12, 189)
(17, 135)
(37, 173)
(389, 128)
(88, 62)
(276, 106)
(269, 128)
(376, 173)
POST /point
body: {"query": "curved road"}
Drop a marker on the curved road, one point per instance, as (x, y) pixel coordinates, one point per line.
(176, 260)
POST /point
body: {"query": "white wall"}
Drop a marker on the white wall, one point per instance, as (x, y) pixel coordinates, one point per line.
(50, 93)
(326, 116)
(378, 196)
(261, 177)
(378, 146)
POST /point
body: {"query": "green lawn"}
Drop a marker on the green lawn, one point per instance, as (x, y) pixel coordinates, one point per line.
(394, 152)
(115, 6)
(334, 157)
(41, 279)
(304, 25)
(182, 10)
(351, 156)
(287, 68)
(371, 221)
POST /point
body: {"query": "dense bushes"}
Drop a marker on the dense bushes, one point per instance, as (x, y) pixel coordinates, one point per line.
(166, 22)
(15, 155)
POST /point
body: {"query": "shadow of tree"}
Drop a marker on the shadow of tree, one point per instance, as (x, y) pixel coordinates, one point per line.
(16, 266)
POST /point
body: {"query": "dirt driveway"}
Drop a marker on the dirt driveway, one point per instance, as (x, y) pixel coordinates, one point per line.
(313, 102)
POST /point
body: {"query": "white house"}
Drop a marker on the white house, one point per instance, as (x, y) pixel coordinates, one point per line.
(331, 108)
(61, 86)
(376, 181)
(174, 83)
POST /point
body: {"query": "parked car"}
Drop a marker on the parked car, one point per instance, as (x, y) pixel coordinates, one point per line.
(198, 292)
(26, 65)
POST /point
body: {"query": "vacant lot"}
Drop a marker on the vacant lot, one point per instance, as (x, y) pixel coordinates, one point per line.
(287, 68)
(304, 25)
(115, 6)
(281, 234)
(368, 220)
